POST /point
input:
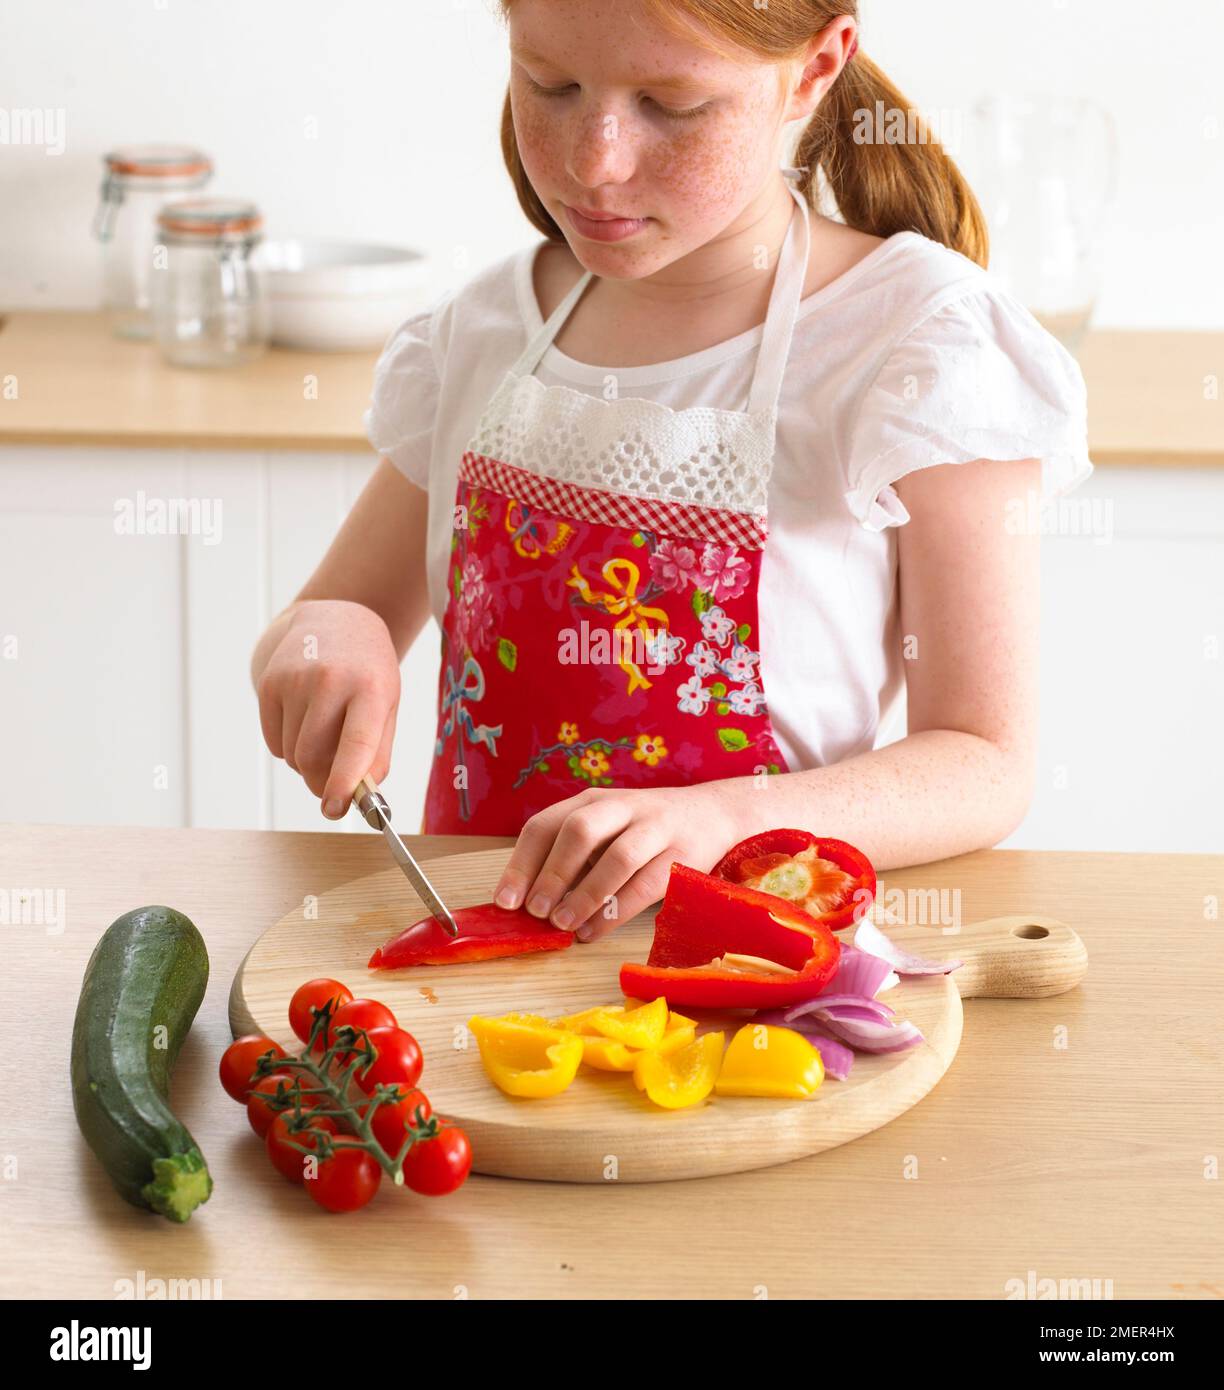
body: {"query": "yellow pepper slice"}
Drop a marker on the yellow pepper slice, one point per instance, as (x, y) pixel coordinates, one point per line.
(676, 1037)
(606, 1054)
(527, 1059)
(581, 1022)
(685, 1077)
(609, 1054)
(642, 1027)
(530, 1021)
(766, 1061)
(680, 1032)
(672, 1018)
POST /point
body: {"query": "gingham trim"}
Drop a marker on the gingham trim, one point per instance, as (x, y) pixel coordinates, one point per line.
(718, 524)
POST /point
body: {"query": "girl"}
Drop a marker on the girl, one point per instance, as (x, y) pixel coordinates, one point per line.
(695, 484)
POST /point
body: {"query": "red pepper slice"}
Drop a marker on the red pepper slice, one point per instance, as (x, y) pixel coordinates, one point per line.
(712, 987)
(485, 931)
(703, 916)
(703, 919)
(830, 879)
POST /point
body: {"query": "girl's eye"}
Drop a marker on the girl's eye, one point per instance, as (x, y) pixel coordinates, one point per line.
(548, 91)
(670, 112)
(687, 114)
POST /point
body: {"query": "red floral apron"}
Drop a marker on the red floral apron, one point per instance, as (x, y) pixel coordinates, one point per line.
(607, 636)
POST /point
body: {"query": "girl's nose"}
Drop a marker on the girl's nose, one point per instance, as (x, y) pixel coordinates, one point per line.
(601, 149)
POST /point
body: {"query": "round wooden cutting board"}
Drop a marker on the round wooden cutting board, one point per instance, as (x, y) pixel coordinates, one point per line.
(602, 1127)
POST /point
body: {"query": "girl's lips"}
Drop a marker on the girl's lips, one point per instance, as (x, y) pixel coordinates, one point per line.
(605, 229)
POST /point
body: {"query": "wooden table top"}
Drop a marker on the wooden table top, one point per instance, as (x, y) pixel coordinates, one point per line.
(1072, 1136)
(80, 385)
(1148, 391)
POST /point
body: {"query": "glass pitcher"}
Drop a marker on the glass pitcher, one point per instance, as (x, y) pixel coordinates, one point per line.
(139, 180)
(1044, 168)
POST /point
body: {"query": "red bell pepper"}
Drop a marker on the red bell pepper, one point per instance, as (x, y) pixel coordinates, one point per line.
(485, 931)
(831, 880)
(720, 945)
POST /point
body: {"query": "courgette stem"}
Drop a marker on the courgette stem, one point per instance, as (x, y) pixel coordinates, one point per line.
(180, 1183)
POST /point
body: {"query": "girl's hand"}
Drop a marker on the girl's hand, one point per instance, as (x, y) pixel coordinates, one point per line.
(596, 859)
(328, 698)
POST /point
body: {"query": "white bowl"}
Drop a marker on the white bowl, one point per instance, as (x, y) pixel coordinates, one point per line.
(341, 296)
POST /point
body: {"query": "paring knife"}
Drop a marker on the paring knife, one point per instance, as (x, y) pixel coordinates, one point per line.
(375, 811)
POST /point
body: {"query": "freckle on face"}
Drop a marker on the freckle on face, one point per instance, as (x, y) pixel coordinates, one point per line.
(708, 174)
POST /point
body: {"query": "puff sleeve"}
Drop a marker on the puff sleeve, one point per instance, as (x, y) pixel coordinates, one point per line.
(399, 422)
(978, 378)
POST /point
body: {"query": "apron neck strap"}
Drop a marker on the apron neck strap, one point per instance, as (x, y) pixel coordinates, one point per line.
(779, 317)
(547, 331)
(784, 300)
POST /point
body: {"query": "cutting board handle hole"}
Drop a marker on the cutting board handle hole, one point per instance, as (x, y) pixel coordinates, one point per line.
(1032, 932)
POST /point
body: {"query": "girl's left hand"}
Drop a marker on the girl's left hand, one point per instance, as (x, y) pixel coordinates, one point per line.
(596, 859)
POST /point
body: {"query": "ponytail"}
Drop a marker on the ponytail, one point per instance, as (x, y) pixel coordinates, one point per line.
(881, 187)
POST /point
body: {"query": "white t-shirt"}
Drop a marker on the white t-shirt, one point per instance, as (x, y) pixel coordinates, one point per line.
(915, 356)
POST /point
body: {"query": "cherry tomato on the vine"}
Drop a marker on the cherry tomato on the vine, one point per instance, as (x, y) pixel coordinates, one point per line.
(288, 1161)
(359, 1013)
(345, 1181)
(238, 1063)
(313, 995)
(434, 1167)
(398, 1063)
(391, 1120)
(259, 1112)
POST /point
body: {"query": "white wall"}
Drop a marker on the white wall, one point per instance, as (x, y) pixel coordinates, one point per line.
(406, 99)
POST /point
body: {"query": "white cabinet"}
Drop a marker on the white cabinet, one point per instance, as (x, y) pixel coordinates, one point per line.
(92, 677)
(125, 695)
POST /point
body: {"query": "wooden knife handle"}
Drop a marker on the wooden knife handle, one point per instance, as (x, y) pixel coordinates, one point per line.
(372, 804)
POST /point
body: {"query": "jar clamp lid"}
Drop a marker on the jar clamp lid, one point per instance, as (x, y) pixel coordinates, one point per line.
(164, 168)
(157, 162)
(202, 220)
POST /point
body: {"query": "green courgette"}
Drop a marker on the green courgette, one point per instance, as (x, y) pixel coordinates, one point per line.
(143, 985)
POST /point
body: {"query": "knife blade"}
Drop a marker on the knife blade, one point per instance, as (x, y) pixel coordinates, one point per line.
(375, 812)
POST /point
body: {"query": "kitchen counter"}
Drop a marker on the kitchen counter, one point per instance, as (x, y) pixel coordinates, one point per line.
(1070, 1137)
(78, 385)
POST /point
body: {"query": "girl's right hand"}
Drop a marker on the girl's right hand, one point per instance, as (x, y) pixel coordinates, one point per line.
(328, 698)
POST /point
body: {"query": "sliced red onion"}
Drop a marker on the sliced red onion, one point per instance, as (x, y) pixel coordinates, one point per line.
(859, 973)
(833, 1004)
(856, 1009)
(868, 1036)
(836, 1057)
(863, 1023)
(849, 1008)
(772, 1018)
(871, 939)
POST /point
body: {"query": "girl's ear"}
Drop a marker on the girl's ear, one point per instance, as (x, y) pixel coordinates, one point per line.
(826, 56)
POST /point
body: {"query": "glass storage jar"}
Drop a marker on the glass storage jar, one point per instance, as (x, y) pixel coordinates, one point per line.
(139, 180)
(209, 303)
